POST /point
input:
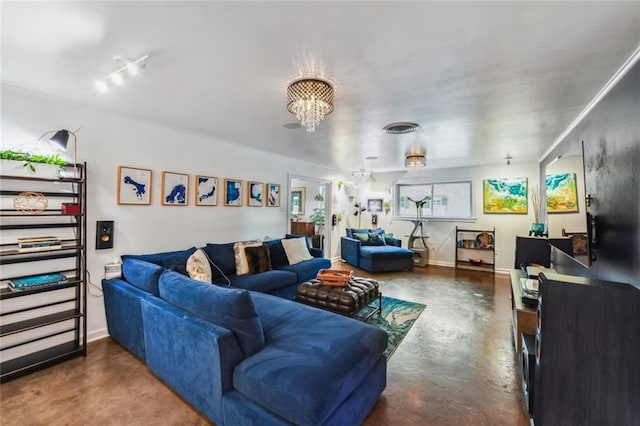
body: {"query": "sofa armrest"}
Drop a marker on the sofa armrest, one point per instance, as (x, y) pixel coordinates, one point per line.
(396, 242)
(194, 357)
(350, 250)
(316, 252)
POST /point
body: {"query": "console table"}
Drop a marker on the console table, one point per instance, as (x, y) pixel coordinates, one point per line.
(421, 253)
(524, 318)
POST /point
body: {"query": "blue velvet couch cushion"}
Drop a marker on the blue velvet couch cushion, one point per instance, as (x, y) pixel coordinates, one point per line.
(308, 269)
(300, 374)
(265, 282)
(351, 231)
(142, 274)
(384, 252)
(230, 308)
(223, 256)
(277, 253)
(176, 260)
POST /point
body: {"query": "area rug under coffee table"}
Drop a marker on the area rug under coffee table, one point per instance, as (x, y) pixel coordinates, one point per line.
(398, 316)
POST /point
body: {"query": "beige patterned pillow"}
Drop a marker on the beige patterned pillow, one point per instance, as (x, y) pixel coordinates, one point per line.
(198, 266)
(242, 265)
(296, 250)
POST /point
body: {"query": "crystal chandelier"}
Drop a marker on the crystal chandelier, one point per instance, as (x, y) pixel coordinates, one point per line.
(310, 100)
(415, 158)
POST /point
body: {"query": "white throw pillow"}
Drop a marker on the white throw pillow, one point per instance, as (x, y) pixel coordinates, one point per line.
(296, 250)
(198, 266)
(242, 266)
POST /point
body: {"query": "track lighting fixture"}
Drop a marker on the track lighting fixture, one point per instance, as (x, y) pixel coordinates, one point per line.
(118, 76)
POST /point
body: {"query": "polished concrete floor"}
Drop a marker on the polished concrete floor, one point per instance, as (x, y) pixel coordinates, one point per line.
(457, 366)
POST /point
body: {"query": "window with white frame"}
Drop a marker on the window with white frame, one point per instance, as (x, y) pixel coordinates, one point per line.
(432, 200)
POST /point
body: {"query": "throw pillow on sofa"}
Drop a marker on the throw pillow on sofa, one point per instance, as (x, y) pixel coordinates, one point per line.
(296, 250)
(388, 239)
(242, 267)
(363, 237)
(258, 259)
(198, 267)
(376, 238)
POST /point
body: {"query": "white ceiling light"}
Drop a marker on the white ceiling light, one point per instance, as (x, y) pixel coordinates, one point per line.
(401, 127)
(310, 100)
(415, 158)
(117, 77)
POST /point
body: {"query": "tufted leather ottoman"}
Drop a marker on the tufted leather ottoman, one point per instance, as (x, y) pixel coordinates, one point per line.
(346, 300)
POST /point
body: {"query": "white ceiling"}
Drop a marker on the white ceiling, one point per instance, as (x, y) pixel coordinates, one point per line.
(481, 78)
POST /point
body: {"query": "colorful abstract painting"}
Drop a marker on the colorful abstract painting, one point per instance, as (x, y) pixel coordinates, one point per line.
(562, 195)
(505, 195)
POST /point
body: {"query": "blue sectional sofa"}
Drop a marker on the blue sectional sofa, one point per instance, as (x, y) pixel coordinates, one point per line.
(243, 357)
(387, 256)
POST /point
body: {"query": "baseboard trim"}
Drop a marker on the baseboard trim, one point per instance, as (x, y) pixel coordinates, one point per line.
(97, 334)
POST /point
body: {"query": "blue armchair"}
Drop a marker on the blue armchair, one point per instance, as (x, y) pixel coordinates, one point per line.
(373, 254)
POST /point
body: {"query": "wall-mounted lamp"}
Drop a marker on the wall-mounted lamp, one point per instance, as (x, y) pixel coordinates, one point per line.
(61, 140)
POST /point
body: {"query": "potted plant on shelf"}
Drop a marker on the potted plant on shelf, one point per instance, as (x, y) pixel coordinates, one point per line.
(537, 228)
(22, 163)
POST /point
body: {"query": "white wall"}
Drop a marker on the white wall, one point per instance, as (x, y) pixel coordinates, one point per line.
(442, 239)
(107, 140)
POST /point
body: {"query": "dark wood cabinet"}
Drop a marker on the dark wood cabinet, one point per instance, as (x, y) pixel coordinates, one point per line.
(302, 228)
(587, 347)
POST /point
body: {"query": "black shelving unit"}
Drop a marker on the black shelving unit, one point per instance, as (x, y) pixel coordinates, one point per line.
(44, 325)
(470, 254)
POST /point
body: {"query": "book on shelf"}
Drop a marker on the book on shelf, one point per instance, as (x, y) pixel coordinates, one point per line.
(36, 239)
(39, 248)
(35, 281)
(28, 245)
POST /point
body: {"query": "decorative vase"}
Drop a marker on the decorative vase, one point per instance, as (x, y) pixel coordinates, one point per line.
(537, 229)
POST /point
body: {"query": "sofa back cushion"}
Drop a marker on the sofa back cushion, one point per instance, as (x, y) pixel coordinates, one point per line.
(351, 231)
(223, 256)
(230, 308)
(176, 260)
(142, 274)
(277, 254)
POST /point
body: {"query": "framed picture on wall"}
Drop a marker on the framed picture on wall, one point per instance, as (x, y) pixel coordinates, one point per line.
(134, 185)
(298, 197)
(175, 188)
(562, 195)
(255, 194)
(505, 196)
(273, 194)
(374, 205)
(206, 190)
(232, 192)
